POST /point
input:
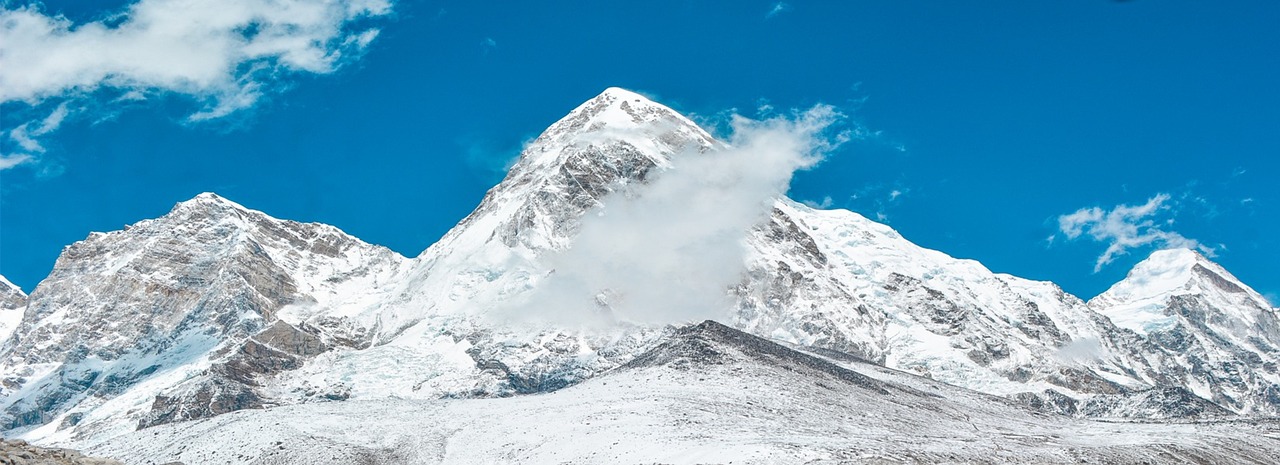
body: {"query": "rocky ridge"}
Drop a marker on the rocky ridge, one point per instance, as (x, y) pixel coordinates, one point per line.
(12, 303)
(1220, 337)
(18, 452)
(707, 394)
(215, 308)
(193, 297)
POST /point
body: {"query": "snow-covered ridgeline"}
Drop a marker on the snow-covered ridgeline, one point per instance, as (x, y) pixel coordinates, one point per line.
(235, 309)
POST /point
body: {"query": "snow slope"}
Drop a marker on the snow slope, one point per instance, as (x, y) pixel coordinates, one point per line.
(215, 308)
(166, 309)
(1220, 336)
(12, 303)
(708, 394)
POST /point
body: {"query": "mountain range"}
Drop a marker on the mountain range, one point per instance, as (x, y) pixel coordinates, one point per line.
(217, 333)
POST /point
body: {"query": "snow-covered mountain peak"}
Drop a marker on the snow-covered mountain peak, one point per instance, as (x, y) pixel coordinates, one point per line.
(614, 139)
(1223, 332)
(174, 295)
(1164, 272)
(618, 108)
(209, 207)
(215, 307)
(617, 116)
(1139, 301)
(209, 200)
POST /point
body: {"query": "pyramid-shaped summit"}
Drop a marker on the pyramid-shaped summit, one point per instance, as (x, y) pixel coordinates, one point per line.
(1139, 301)
(215, 307)
(617, 117)
(1221, 332)
(615, 138)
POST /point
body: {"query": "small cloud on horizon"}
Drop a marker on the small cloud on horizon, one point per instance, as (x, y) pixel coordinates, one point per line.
(876, 199)
(778, 8)
(824, 204)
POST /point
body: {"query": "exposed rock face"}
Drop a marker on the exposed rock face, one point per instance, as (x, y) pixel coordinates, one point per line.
(13, 302)
(707, 390)
(1219, 338)
(215, 308)
(11, 297)
(18, 452)
(182, 292)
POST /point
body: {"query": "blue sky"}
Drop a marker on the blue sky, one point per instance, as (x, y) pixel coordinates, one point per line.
(1032, 136)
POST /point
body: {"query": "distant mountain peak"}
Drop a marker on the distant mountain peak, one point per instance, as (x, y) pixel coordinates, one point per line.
(1173, 272)
(1140, 301)
(617, 116)
(208, 201)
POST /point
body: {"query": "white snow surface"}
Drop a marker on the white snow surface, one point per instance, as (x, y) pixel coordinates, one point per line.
(1138, 302)
(161, 305)
(13, 302)
(725, 402)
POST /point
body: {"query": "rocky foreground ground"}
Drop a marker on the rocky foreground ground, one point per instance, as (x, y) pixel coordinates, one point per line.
(18, 452)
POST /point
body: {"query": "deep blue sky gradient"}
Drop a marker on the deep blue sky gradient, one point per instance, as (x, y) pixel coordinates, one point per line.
(991, 119)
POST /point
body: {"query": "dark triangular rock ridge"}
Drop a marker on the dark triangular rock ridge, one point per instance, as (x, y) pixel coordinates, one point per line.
(243, 299)
(712, 343)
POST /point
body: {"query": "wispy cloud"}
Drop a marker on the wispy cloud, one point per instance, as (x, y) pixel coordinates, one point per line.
(24, 135)
(225, 54)
(823, 204)
(10, 161)
(876, 199)
(778, 8)
(1126, 227)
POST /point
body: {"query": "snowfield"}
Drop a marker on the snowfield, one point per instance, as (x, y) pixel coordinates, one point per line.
(710, 394)
(531, 333)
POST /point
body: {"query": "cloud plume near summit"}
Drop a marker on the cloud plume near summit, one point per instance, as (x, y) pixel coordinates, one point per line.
(1126, 227)
(669, 250)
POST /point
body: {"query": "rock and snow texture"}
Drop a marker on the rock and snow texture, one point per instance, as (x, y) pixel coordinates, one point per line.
(1221, 336)
(176, 317)
(707, 394)
(12, 303)
(215, 308)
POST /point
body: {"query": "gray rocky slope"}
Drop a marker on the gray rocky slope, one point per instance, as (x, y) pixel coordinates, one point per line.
(12, 303)
(707, 394)
(215, 308)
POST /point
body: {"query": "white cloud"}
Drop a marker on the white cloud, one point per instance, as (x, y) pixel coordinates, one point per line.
(669, 250)
(826, 203)
(778, 8)
(226, 54)
(10, 161)
(1126, 227)
(24, 135)
(876, 199)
